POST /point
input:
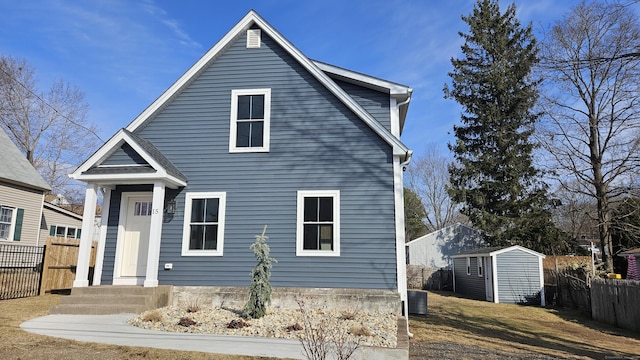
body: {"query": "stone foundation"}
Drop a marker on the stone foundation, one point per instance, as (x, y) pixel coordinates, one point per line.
(365, 300)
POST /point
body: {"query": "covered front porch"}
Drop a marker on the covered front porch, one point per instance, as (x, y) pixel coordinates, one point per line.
(131, 172)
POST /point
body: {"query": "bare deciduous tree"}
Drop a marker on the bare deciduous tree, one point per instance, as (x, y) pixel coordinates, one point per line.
(428, 176)
(575, 213)
(591, 101)
(50, 128)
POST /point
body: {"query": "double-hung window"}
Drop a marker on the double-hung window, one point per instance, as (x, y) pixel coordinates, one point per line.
(203, 233)
(250, 120)
(318, 228)
(6, 222)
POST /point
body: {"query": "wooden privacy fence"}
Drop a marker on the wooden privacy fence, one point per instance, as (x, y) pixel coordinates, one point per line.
(422, 277)
(615, 302)
(60, 262)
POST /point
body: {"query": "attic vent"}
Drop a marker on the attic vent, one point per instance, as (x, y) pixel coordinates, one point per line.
(253, 38)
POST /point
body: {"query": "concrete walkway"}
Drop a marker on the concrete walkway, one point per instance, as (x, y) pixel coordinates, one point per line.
(113, 329)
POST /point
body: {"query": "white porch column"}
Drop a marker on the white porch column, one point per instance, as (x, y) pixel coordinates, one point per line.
(153, 256)
(97, 271)
(88, 219)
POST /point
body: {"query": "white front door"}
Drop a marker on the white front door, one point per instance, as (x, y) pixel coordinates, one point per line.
(134, 239)
(488, 277)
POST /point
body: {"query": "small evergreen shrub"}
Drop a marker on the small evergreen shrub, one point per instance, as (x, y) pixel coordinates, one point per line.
(260, 290)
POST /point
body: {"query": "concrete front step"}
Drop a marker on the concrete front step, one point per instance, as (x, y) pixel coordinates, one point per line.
(92, 309)
(99, 300)
(139, 300)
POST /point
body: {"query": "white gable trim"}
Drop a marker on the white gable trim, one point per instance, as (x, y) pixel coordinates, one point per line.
(394, 89)
(253, 18)
(498, 252)
(112, 145)
(518, 247)
(54, 207)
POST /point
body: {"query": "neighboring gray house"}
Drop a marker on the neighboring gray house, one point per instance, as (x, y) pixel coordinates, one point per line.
(435, 249)
(500, 274)
(22, 192)
(255, 134)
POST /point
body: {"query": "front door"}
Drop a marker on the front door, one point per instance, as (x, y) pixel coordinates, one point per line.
(135, 238)
(488, 277)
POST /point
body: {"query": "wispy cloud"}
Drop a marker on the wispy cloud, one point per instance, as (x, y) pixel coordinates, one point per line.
(172, 24)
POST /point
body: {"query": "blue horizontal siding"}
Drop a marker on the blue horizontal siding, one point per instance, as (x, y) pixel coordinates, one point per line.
(375, 102)
(472, 286)
(518, 276)
(316, 144)
(125, 155)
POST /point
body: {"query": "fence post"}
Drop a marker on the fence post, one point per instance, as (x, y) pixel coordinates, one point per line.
(43, 257)
(45, 268)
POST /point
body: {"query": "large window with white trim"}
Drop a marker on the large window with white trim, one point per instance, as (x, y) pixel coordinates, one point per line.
(203, 233)
(6, 222)
(318, 223)
(250, 120)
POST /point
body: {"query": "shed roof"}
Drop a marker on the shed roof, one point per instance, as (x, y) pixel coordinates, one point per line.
(15, 167)
(495, 250)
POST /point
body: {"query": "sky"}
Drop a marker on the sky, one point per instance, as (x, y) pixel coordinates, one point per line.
(123, 54)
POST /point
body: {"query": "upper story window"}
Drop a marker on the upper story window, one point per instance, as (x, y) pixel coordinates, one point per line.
(318, 232)
(203, 233)
(250, 120)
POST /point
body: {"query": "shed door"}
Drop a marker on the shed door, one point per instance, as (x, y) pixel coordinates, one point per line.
(488, 277)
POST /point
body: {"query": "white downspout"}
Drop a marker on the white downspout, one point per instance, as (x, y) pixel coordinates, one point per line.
(398, 168)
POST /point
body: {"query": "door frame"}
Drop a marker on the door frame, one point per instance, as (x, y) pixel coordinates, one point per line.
(124, 202)
(489, 278)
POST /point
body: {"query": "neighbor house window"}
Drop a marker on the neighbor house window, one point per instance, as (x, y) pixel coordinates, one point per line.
(479, 266)
(203, 233)
(318, 230)
(468, 266)
(6, 222)
(250, 120)
(68, 232)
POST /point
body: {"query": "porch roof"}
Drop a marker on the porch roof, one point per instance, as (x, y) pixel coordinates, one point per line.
(156, 166)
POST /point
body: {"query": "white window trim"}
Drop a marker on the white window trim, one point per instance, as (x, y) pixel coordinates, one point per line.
(222, 205)
(66, 230)
(266, 130)
(12, 226)
(335, 194)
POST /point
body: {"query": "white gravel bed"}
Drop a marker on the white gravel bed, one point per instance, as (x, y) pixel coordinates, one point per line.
(370, 329)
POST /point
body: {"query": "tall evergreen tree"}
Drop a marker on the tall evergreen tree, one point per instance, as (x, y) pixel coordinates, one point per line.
(493, 176)
(414, 213)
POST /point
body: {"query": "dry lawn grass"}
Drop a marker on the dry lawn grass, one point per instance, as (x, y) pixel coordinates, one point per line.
(519, 330)
(18, 344)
